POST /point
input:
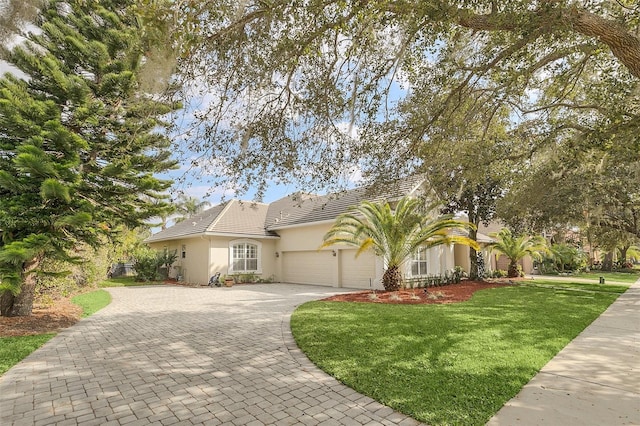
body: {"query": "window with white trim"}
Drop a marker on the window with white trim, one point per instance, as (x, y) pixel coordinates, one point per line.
(245, 256)
(419, 262)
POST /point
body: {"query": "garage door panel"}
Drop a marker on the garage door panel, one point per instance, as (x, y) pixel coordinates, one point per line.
(308, 267)
(357, 272)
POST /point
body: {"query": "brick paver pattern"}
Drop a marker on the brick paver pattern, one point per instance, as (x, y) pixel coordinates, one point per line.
(169, 355)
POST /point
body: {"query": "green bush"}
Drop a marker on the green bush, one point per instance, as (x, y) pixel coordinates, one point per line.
(151, 265)
(61, 279)
(245, 278)
(565, 257)
(499, 273)
(146, 265)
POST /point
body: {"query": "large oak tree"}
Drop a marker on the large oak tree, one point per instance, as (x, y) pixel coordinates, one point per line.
(307, 90)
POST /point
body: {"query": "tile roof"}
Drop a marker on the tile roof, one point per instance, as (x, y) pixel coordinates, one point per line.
(262, 220)
(194, 225)
(242, 217)
(298, 209)
(480, 237)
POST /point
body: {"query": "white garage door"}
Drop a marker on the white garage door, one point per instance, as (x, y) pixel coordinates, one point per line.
(308, 267)
(356, 272)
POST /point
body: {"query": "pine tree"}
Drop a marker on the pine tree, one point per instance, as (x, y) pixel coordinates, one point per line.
(79, 140)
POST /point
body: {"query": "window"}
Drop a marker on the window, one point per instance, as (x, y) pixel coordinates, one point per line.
(244, 257)
(184, 251)
(419, 263)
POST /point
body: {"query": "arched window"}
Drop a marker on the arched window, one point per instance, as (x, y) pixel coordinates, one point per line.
(244, 256)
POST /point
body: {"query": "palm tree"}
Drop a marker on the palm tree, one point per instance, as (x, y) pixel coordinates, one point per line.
(515, 248)
(394, 234)
(188, 206)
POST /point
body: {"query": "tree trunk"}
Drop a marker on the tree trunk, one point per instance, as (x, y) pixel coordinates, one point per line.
(473, 264)
(607, 263)
(392, 278)
(21, 305)
(623, 256)
(513, 270)
(473, 235)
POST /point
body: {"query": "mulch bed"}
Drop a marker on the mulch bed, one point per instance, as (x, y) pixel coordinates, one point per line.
(434, 295)
(44, 319)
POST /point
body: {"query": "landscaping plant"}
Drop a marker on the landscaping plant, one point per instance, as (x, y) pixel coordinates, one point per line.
(394, 234)
(80, 140)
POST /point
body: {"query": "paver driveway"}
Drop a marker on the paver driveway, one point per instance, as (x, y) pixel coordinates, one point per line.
(172, 355)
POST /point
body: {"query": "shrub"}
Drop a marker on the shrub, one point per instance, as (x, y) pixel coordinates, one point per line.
(146, 264)
(246, 278)
(499, 273)
(567, 257)
(151, 265)
(61, 279)
(458, 274)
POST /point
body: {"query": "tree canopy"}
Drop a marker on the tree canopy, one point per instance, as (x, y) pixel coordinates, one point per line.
(79, 140)
(310, 91)
(314, 93)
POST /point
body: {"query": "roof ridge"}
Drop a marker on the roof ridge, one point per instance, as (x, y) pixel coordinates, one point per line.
(214, 222)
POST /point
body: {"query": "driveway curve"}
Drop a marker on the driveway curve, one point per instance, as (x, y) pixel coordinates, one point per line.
(191, 356)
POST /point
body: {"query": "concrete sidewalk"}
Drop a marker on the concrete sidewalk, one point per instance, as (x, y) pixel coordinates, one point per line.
(594, 380)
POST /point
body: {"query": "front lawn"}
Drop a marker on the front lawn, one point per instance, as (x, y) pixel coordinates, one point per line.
(585, 286)
(624, 277)
(124, 282)
(92, 302)
(446, 364)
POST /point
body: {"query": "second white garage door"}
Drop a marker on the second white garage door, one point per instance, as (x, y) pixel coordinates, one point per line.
(356, 272)
(309, 267)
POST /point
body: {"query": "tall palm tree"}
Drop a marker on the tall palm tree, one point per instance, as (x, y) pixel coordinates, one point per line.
(188, 206)
(394, 234)
(515, 248)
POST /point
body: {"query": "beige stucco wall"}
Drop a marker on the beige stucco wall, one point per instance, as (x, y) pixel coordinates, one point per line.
(309, 238)
(302, 238)
(204, 256)
(193, 267)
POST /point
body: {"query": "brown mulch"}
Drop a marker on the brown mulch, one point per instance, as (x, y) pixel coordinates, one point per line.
(44, 319)
(446, 294)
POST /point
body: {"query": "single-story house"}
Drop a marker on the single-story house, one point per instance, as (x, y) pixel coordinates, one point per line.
(280, 241)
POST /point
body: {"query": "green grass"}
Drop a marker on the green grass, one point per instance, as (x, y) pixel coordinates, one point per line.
(446, 364)
(14, 349)
(92, 302)
(625, 277)
(586, 286)
(123, 282)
